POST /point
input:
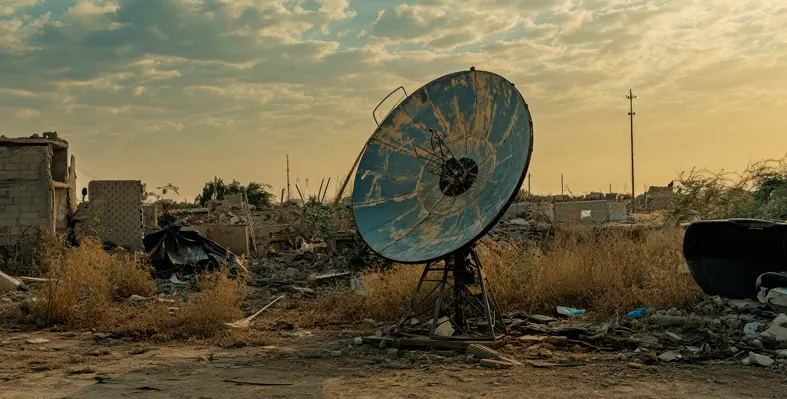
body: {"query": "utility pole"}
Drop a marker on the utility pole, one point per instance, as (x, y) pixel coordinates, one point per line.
(561, 184)
(631, 98)
(288, 177)
(528, 185)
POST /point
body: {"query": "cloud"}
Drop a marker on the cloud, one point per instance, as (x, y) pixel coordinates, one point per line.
(261, 77)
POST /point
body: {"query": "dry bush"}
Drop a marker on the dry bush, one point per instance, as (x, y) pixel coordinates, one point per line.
(84, 281)
(88, 288)
(217, 302)
(611, 274)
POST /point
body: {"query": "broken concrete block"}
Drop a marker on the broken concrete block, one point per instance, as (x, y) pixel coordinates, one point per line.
(445, 329)
(8, 283)
(777, 330)
(759, 360)
(670, 356)
(673, 337)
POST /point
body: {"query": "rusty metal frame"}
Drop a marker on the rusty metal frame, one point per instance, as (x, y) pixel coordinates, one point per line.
(374, 112)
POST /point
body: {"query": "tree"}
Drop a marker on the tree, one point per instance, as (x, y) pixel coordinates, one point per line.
(258, 193)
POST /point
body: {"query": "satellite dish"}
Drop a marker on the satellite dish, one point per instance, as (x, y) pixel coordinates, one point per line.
(440, 171)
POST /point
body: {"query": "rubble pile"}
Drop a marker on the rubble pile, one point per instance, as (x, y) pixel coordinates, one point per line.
(718, 331)
(531, 224)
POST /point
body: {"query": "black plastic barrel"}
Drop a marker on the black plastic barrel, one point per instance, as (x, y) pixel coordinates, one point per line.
(726, 256)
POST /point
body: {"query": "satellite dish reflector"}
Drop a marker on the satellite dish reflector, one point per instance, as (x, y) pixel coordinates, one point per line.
(442, 167)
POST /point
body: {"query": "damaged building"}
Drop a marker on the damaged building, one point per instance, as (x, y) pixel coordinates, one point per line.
(37, 188)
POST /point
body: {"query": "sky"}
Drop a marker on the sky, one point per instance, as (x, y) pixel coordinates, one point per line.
(180, 91)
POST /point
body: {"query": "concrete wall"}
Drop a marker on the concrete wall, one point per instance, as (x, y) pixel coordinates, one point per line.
(572, 212)
(26, 192)
(116, 211)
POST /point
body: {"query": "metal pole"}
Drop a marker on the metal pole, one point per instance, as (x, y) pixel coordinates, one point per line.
(528, 185)
(561, 184)
(288, 177)
(631, 98)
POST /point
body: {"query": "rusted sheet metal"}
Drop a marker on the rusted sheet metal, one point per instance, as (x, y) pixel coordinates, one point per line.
(400, 208)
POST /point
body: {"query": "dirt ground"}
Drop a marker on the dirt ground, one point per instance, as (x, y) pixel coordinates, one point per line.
(310, 362)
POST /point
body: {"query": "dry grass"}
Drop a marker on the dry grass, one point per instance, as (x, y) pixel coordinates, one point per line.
(89, 289)
(609, 275)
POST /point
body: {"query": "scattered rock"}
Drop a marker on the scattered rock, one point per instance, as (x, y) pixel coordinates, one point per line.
(670, 356)
(36, 341)
(358, 341)
(751, 328)
(633, 365)
(392, 353)
(777, 330)
(100, 352)
(139, 351)
(673, 337)
(73, 359)
(336, 353)
(100, 336)
(759, 360)
(86, 370)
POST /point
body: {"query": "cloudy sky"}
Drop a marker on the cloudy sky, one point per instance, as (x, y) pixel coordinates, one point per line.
(183, 90)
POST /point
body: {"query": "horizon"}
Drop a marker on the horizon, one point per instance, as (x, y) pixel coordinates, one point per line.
(182, 91)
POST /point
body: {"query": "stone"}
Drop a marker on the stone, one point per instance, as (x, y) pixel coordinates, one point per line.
(445, 329)
(751, 328)
(8, 283)
(392, 353)
(36, 341)
(674, 312)
(777, 330)
(759, 360)
(673, 337)
(336, 353)
(670, 356)
(358, 341)
(99, 352)
(638, 366)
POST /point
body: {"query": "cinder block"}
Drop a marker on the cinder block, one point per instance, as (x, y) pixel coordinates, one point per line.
(12, 209)
(28, 175)
(29, 215)
(9, 175)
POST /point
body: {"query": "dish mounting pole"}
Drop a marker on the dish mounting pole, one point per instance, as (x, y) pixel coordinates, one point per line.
(461, 295)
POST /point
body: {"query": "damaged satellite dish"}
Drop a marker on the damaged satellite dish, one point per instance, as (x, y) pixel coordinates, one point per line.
(442, 167)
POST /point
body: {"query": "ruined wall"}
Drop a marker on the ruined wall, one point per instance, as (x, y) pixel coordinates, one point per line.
(572, 212)
(26, 193)
(116, 212)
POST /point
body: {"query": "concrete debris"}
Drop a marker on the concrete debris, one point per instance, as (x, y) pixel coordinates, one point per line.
(777, 331)
(758, 360)
(8, 283)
